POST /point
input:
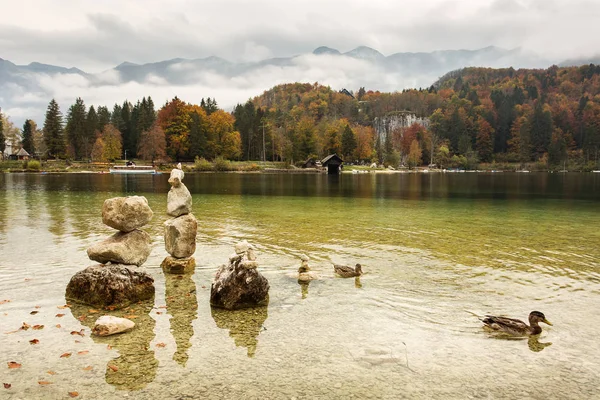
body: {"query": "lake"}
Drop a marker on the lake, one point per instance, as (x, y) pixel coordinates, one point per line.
(435, 248)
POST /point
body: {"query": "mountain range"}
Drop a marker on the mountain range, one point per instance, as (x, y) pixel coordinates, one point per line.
(25, 90)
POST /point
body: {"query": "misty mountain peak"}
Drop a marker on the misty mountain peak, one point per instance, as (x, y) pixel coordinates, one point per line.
(365, 53)
(326, 50)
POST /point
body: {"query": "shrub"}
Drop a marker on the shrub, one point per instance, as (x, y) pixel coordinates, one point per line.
(202, 164)
(250, 167)
(33, 165)
(222, 164)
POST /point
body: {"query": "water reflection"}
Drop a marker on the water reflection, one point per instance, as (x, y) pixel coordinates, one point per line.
(357, 283)
(182, 304)
(535, 345)
(244, 325)
(136, 366)
(304, 288)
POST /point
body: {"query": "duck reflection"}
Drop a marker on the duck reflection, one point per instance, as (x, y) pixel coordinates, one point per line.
(357, 283)
(535, 345)
(182, 304)
(136, 366)
(243, 325)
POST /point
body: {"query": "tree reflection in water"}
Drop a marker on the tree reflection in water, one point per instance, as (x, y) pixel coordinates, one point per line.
(244, 325)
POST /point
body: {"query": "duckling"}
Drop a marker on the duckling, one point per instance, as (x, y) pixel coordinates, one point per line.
(515, 326)
(347, 272)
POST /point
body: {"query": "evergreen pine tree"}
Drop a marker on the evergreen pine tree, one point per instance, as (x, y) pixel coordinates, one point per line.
(348, 143)
(27, 141)
(104, 118)
(53, 131)
(76, 130)
(2, 137)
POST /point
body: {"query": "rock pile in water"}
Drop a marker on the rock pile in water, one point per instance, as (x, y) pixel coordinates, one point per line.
(181, 230)
(304, 272)
(113, 282)
(238, 284)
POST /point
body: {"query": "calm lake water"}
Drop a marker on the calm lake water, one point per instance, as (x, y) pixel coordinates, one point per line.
(434, 247)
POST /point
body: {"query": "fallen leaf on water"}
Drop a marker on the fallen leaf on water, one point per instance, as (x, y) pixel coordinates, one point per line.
(78, 341)
(203, 287)
(108, 347)
(38, 307)
(63, 307)
(73, 394)
(88, 368)
(158, 312)
(65, 355)
(92, 311)
(27, 279)
(58, 325)
(60, 315)
(34, 341)
(80, 333)
(34, 312)
(83, 352)
(37, 327)
(130, 316)
(25, 326)
(7, 386)
(4, 301)
(81, 318)
(8, 333)
(113, 367)
(44, 382)
(13, 364)
(51, 372)
(162, 307)
(161, 345)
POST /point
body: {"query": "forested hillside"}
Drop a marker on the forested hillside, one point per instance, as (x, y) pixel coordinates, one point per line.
(549, 116)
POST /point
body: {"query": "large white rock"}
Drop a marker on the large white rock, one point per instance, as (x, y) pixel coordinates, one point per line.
(108, 325)
(180, 236)
(126, 213)
(179, 200)
(176, 177)
(131, 248)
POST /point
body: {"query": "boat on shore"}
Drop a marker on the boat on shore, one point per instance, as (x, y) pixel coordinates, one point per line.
(132, 169)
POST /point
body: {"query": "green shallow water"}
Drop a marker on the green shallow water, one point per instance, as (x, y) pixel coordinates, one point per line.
(433, 247)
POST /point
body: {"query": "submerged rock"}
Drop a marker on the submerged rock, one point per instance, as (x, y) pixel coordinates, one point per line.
(108, 325)
(126, 213)
(110, 285)
(172, 265)
(238, 284)
(131, 248)
(180, 236)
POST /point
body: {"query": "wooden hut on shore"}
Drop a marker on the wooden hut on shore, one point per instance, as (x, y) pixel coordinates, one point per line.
(333, 163)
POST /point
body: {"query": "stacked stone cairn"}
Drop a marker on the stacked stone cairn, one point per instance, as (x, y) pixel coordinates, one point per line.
(238, 284)
(304, 272)
(181, 230)
(113, 283)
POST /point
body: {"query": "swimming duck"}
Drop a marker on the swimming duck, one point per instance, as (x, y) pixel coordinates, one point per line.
(515, 326)
(347, 272)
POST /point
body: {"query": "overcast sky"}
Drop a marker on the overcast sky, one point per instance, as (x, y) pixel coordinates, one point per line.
(97, 35)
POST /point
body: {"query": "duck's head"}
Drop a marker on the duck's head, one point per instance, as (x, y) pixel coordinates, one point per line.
(536, 317)
(358, 269)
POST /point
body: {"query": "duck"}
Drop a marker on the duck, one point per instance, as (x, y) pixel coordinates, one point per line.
(515, 326)
(347, 272)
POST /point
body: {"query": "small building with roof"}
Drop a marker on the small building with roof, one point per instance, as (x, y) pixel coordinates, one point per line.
(333, 163)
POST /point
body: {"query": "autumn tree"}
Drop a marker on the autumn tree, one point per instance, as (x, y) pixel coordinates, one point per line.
(414, 156)
(222, 139)
(27, 135)
(153, 144)
(364, 142)
(174, 119)
(98, 153)
(53, 131)
(113, 143)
